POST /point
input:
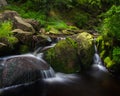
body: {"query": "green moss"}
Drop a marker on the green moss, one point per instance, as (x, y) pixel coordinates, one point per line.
(5, 29)
(72, 42)
(102, 53)
(116, 55)
(99, 38)
(55, 23)
(52, 30)
(63, 57)
(109, 63)
(85, 49)
(72, 28)
(101, 42)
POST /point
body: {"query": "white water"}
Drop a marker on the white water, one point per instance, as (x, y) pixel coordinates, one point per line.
(41, 49)
(48, 73)
(62, 78)
(97, 62)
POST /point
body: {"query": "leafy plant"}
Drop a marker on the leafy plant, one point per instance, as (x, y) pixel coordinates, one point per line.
(108, 62)
(116, 55)
(81, 19)
(110, 31)
(25, 13)
(5, 29)
(5, 32)
(56, 23)
(92, 2)
(111, 24)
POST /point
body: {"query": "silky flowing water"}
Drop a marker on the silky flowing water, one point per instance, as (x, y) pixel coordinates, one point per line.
(95, 82)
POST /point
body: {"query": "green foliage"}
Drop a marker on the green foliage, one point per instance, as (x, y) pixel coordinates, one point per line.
(39, 16)
(99, 3)
(81, 19)
(5, 29)
(111, 24)
(48, 4)
(40, 10)
(56, 24)
(15, 8)
(91, 2)
(5, 32)
(109, 63)
(113, 63)
(102, 53)
(25, 13)
(116, 55)
(110, 31)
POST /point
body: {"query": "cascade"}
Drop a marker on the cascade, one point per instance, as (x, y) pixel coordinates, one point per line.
(96, 57)
(97, 62)
(38, 53)
(48, 73)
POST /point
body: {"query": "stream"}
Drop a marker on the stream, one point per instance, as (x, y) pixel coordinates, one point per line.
(95, 82)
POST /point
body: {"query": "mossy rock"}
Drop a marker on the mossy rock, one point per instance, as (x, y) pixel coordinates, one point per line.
(85, 48)
(63, 57)
(73, 54)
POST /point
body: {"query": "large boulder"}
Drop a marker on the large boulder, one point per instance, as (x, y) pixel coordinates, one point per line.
(21, 69)
(73, 54)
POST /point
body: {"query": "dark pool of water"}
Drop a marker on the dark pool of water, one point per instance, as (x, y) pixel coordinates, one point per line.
(96, 82)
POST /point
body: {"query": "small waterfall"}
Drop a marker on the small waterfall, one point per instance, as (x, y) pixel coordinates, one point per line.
(48, 73)
(37, 50)
(45, 73)
(97, 62)
(41, 49)
(48, 47)
(96, 58)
